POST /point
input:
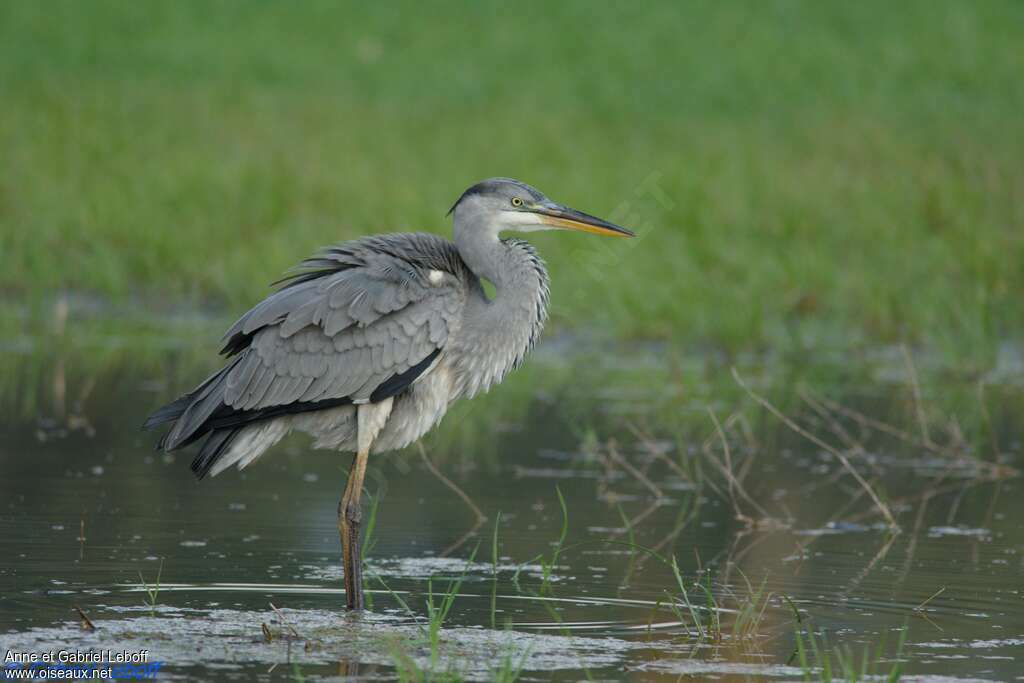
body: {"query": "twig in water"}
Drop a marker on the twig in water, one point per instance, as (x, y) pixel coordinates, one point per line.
(869, 423)
(284, 622)
(706, 450)
(686, 515)
(461, 540)
(919, 610)
(614, 454)
(863, 574)
(930, 598)
(852, 444)
(631, 539)
(656, 453)
(734, 484)
(86, 621)
(915, 390)
(480, 516)
(882, 507)
(645, 513)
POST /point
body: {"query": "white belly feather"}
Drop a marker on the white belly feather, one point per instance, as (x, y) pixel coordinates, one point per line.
(413, 414)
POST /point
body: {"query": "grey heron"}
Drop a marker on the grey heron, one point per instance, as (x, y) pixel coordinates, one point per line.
(365, 344)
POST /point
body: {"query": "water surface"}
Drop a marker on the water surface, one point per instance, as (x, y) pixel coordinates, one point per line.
(626, 439)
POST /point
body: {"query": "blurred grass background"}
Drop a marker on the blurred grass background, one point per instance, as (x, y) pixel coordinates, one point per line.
(802, 173)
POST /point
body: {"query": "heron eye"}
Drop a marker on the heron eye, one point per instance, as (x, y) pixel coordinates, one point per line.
(516, 201)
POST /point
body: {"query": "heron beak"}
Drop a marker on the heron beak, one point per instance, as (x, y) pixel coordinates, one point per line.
(558, 216)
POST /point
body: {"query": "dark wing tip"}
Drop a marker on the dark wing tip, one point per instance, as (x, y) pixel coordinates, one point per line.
(236, 343)
(214, 446)
(170, 412)
(396, 384)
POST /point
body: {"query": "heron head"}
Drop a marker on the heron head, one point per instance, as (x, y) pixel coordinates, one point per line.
(506, 204)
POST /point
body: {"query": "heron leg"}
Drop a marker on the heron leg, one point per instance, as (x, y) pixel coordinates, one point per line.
(350, 517)
(370, 420)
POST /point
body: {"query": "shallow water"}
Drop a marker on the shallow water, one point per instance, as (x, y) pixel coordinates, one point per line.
(88, 506)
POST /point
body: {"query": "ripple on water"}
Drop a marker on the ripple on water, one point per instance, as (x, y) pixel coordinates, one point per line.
(431, 567)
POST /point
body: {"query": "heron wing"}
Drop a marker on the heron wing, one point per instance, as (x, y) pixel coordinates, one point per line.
(357, 323)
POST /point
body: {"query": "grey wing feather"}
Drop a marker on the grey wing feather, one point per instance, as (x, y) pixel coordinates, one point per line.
(348, 323)
(356, 316)
(351, 347)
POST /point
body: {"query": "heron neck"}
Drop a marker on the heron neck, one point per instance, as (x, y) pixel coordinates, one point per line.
(485, 254)
(497, 333)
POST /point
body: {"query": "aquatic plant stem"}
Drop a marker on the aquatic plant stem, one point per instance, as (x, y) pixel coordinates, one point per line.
(480, 516)
(882, 507)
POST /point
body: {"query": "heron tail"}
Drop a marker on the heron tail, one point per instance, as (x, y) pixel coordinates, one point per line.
(190, 413)
(235, 437)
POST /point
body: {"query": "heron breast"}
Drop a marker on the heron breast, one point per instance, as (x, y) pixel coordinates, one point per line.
(416, 411)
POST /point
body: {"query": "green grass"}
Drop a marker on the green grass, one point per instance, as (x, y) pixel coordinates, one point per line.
(152, 590)
(432, 641)
(822, 662)
(801, 173)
